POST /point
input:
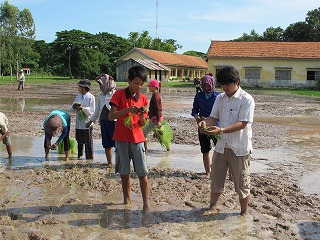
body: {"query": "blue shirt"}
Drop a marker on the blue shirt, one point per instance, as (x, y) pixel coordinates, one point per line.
(65, 117)
(203, 106)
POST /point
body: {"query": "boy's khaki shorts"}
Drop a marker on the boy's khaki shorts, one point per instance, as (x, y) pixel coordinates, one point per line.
(127, 151)
(239, 168)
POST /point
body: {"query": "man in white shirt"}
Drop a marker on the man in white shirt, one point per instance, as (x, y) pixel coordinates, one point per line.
(234, 107)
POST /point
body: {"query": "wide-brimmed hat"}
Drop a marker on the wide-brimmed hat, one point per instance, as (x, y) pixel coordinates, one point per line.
(154, 83)
(54, 126)
(84, 83)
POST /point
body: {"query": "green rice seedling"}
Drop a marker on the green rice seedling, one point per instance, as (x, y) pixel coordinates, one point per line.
(82, 115)
(164, 135)
(73, 146)
(216, 136)
(127, 120)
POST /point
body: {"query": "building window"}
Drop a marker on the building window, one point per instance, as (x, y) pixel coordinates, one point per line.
(252, 73)
(179, 73)
(283, 75)
(313, 75)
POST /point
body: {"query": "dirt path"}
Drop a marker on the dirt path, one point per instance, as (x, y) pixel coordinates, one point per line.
(83, 201)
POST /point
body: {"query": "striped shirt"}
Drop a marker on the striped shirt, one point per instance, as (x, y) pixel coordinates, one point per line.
(238, 108)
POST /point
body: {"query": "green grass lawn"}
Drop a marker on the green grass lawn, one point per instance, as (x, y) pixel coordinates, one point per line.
(47, 79)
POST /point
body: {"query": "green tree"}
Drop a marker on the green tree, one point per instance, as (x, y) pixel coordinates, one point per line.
(313, 22)
(79, 53)
(113, 47)
(253, 36)
(272, 34)
(297, 32)
(196, 54)
(17, 30)
(143, 40)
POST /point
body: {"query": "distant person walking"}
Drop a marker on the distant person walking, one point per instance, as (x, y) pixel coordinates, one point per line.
(107, 89)
(21, 80)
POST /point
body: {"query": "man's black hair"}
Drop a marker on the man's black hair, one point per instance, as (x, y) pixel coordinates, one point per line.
(228, 75)
(137, 71)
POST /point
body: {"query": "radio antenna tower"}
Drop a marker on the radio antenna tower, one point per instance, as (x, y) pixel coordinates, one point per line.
(157, 4)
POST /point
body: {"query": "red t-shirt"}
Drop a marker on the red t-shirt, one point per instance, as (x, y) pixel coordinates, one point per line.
(123, 99)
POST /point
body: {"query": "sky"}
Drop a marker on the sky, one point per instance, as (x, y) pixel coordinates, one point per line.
(192, 23)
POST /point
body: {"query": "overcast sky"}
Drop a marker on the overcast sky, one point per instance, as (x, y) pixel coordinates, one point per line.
(192, 23)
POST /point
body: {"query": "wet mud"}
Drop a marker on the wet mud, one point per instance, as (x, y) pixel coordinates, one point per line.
(83, 200)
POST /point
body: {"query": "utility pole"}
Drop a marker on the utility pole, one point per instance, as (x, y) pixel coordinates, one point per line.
(157, 4)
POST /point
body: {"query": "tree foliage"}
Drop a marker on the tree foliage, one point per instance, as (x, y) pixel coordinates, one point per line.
(17, 32)
(303, 31)
(196, 54)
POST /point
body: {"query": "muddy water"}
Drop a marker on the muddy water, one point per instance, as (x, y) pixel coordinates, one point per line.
(303, 144)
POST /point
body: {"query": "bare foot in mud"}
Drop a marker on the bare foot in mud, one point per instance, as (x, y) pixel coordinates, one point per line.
(146, 209)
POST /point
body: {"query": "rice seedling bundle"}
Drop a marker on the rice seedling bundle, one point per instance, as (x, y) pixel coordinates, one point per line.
(81, 115)
(127, 120)
(163, 135)
(73, 146)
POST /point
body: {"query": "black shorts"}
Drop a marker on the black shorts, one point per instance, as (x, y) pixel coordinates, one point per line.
(205, 142)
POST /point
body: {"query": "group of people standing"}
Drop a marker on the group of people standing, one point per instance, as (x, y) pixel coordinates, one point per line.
(112, 108)
(228, 116)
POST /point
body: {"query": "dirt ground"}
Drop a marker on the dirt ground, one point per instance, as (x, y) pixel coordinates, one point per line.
(84, 201)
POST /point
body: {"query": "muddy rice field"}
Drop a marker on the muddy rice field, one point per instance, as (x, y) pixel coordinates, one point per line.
(83, 199)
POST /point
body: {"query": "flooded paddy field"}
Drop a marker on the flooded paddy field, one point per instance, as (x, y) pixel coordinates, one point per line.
(83, 199)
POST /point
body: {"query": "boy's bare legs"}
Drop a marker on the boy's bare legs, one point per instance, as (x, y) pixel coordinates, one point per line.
(9, 150)
(108, 152)
(244, 205)
(125, 181)
(144, 185)
(206, 162)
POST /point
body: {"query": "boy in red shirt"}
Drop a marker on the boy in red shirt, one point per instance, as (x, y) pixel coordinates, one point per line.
(129, 141)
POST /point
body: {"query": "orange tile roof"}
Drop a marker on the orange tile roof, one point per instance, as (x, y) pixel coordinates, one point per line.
(174, 59)
(299, 50)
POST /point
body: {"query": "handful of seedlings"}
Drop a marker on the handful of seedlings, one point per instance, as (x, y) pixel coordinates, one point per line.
(80, 113)
(127, 120)
(204, 128)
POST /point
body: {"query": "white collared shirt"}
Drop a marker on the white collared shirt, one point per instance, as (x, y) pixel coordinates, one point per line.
(88, 103)
(238, 108)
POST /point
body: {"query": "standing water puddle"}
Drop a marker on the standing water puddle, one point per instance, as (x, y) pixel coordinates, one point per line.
(303, 147)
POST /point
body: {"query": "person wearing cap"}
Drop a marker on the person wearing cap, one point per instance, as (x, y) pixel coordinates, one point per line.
(202, 105)
(57, 124)
(84, 105)
(4, 122)
(107, 89)
(21, 80)
(155, 109)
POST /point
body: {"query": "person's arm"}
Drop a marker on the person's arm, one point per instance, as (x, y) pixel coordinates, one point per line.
(229, 129)
(63, 134)
(196, 109)
(89, 110)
